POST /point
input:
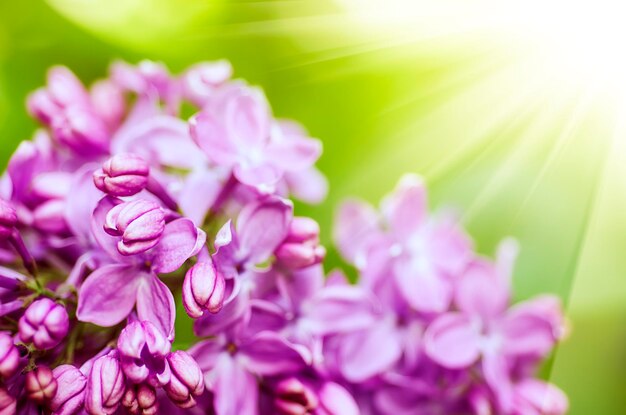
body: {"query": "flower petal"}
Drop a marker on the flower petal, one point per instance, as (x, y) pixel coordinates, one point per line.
(98, 220)
(532, 328)
(535, 397)
(496, 373)
(247, 118)
(161, 140)
(233, 312)
(81, 201)
(369, 352)
(262, 176)
(262, 226)
(308, 185)
(206, 353)
(423, 289)
(198, 194)
(180, 241)
(210, 136)
(268, 353)
(235, 390)
(155, 303)
(452, 341)
(339, 308)
(336, 400)
(406, 208)
(355, 224)
(295, 153)
(480, 291)
(108, 295)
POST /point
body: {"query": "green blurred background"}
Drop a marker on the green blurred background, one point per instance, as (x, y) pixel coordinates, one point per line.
(392, 87)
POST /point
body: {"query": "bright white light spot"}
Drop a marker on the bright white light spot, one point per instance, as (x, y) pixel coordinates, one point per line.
(582, 39)
(568, 41)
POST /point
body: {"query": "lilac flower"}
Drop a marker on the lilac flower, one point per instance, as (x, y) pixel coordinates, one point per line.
(45, 324)
(143, 349)
(187, 381)
(65, 106)
(203, 289)
(9, 356)
(81, 130)
(40, 386)
(306, 311)
(484, 328)
(160, 139)
(260, 229)
(231, 363)
(122, 175)
(421, 255)
(71, 383)
(105, 386)
(110, 293)
(140, 399)
(242, 116)
(64, 90)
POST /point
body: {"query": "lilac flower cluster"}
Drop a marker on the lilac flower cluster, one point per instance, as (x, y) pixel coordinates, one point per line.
(119, 209)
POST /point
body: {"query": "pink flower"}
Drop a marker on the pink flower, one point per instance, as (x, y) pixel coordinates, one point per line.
(235, 131)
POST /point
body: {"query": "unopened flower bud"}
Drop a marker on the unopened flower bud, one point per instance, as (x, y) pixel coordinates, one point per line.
(105, 386)
(40, 385)
(45, 324)
(296, 256)
(303, 229)
(9, 356)
(293, 397)
(187, 381)
(70, 394)
(122, 175)
(203, 289)
(301, 247)
(81, 130)
(140, 223)
(8, 219)
(8, 404)
(140, 399)
(143, 349)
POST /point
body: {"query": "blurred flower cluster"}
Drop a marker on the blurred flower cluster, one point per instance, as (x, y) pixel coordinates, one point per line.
(149, 189)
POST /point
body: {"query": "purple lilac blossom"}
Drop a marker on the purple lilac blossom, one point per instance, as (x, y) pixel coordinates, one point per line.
(119, 209)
